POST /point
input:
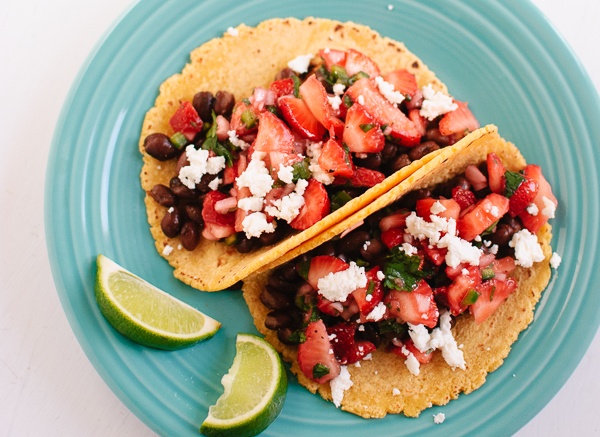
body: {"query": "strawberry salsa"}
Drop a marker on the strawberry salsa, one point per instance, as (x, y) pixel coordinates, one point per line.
(326, 129)
(397, 280)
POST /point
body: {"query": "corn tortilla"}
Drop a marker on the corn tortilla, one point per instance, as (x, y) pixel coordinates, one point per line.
(238, 64)
(485, 346)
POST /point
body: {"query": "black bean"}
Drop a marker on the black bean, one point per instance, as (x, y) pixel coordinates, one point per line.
(172, 222)
(181, 190)
(433, 134)
(224, 103)
(373, 161)
(190, 235)
(352, 243)
(389, 151)
(268, 238)
(203, 103)
(505, 231)
(285, 73)
(415, 102)
(278, 319)
(409, 200)
(282, 286)
(287, 272)
(399, 162)
(194, 213)
(203, 185)
(272, 299)
(422, 149)
(327, 248)
(163, 195)
(284, 335)
(246, 245)
(371, 249)
(159, 146)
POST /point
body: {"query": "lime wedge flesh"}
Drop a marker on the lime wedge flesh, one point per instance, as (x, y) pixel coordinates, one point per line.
(254, 391)
(146, 314)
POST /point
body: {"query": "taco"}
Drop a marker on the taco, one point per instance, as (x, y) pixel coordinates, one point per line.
(263, 142)
(418, 296)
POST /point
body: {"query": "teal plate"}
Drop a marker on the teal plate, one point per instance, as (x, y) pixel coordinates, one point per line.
(504, 58)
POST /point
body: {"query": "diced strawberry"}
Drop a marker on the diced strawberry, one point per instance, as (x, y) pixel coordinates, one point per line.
(409, 346)
(315, 355)
(275, 138)
(397, 220)
(365, 177)
(496, 171)
(460, 287)
(420, 122)
(229, 175)
(384, 112)
(475, 177)
(465, 198)
(417, 306)
(315, 96)
(321, 266)
(216, 225)
(482, 215)
(459, 121)
(437, 255)
(392, 237)
(336, 160)
(357, 62)
(299, 117)
(324, 305)
(502, 267)
(451, 211)
(186, 120)
(362, 134)
(244, 118)
(522, 197)
(282, 87)
(369, 297)
(316, 206)
(534, 222)
(345, 348)
(491, 295)
(333, 57)
(404, 81)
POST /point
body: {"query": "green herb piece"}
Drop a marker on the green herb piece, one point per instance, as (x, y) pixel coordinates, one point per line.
(371, 288)
(513, 180)
(402, 271)
(300, 170)
(367, 127)
(391, 326)
(296, 80)
(297, 337)
(357, 76)
(302, 269)
(178, 140)
(339, 199)
(248, 118)
(487, 273)
(320, 370)
(211, 143)
(347, 101)
(273, 110)
(470, 298)
(231, 240)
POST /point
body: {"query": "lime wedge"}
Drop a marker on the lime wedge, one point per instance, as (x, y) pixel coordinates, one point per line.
(145, 314)
(254, 391)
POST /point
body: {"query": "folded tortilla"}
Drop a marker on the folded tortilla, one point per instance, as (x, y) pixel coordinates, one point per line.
(485, 346)
(238, 64)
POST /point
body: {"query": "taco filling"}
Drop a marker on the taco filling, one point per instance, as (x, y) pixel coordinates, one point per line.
(251, 171)
(398, 282)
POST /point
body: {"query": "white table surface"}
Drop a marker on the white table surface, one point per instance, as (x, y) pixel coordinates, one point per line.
(47, 385)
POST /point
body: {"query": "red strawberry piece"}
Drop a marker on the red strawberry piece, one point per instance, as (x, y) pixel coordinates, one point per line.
(345, 348)
(482, 215)
(464, 283)
(452, 208)
(369, 297)
(496, 171)
(315, 355)
(435, 254)
(384, 112)
(186, 120)
(336, 160)
(522, 197)
(417, 306)
(244, 118)
(299, 117)
(316, 206)
(216, 225)
(315, 96)
(409, 346)
(404, 81)
(365, 177)
(465, 198)
(334, 309)
(333, 57)
(282, 87)
(392, 237)
(362, 134)
(420, 122)
(491, 295)
(502, 267)
(459, 121)
(321, 266)
(534, 222)
(275, 138)
(357, 62)
(397, 220)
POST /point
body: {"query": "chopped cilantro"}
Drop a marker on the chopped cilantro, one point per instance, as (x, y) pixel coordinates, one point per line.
(302, 269)
(402, 271)
(347, 101)
(297, 337)
(300, 170)
(371, 288)
(211, 143)
(320, 370)
(339, 199)
(391, 326)
(513, 180)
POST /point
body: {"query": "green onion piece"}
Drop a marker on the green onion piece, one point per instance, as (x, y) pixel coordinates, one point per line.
(367, 127)
(347, 101)
(487, 273)
(296, 80)
(357, 76)
(248, 118)
(178, 140)
(231, 240)
(301, 170)
(470, 298)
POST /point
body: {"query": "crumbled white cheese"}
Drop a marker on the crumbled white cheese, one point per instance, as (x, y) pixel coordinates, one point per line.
(366, 245)
(337, 286)
(200, 163)
(527, 248)
(214, 184)
(338, 89)
(439, 418)
(435, 103)
(387, 90)
(395, 392)
(420, 336)
(532, 209)
(168, 250)
(390, 7)
(380, 275)
(255, 224)
(412, 364)
(288, 207)
(286, 173)
(555, 260)
(232, 31)
(256, 177)
(252, 203)
(300, 63)
(549, 207)
(339, 385)
(409, 249)
(335, 102)
(313, 151)
(437, 208)
(378, 312)
(361, 328)
(477, 238)
(236, 141)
